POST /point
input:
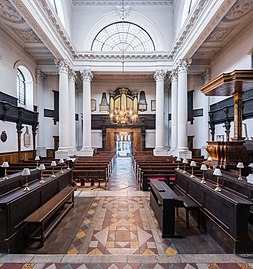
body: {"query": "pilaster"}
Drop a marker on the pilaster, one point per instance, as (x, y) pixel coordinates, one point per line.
(86, 149)
(182, 150)
(72, 116)
(159, 77)
(64, 146)
(40, 77)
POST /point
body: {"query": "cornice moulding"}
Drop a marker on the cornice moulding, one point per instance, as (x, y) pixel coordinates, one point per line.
(113, 3)
(118, 57)
(58, 27)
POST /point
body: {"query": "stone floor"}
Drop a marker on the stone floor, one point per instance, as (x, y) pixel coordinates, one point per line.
(118, 230)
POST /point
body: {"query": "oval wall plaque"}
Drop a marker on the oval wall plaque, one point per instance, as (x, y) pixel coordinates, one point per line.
(3, 136)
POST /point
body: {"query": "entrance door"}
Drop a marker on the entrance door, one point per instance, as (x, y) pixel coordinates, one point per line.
(123, 144)
(127, 140)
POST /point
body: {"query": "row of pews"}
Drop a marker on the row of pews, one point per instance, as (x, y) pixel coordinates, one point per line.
(17, 204)
(225, 214)
(94, 169)
(148, 167)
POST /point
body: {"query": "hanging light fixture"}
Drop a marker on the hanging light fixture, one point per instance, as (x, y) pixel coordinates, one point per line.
(123, 116)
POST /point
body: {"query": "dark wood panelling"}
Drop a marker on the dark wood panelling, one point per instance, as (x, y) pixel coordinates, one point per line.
(12, 157)
(49, 113)
(8, 98)
(219, 110)
(197, 112)
(99, 122)
(56, 106)
(12, 113)
(190, 105)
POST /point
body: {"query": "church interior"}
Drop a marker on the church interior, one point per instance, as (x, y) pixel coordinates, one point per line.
(103, 159)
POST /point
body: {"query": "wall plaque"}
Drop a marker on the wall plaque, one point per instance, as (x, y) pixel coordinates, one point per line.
(3, 136)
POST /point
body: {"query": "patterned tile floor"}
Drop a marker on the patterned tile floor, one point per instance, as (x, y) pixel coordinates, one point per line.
(120, 231)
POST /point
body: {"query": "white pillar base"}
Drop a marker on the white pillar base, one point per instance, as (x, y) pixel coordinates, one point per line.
(72, 151)
(183, 153)
(62, 153)
(160, 152)
(173, 152)
(42, 151)
(85, 151)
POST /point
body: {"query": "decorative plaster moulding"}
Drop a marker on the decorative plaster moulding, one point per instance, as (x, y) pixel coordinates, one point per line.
(118, 57)
(115, 2)
(58, 26)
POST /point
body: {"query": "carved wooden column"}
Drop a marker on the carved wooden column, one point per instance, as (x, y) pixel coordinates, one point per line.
(227, 124)
(237, 115)
(19, 132)
(34, 132)
(212, 126)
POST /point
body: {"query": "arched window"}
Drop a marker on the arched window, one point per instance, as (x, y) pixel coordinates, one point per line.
(20, 87)
(123, 36)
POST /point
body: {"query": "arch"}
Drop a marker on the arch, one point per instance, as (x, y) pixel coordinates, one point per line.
(134, 17)
(123, 36)
(29, 83)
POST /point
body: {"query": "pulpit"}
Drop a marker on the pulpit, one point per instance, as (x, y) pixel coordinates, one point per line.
(227, 153)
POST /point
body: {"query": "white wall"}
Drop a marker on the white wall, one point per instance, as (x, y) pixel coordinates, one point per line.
(11, 144)
(10, 55)
(96, 138)
(51, 83)
(161, 17)
(150, 138)
(235, 56)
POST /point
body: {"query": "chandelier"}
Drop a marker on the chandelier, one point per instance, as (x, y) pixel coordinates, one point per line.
(123, 117)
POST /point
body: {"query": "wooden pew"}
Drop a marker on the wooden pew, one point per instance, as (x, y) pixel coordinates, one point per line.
(17, 205)
(225, 214)
(43, 215)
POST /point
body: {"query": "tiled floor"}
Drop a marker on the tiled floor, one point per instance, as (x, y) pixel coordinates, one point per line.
(120, 231)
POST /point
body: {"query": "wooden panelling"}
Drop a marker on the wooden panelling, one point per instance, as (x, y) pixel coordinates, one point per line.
(218, 110)
(12, 157)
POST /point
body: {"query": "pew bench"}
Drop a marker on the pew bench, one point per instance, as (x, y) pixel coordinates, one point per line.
(42, 215)
(189, 205)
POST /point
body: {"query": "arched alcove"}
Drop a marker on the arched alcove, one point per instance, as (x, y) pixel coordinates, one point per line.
(134, 17)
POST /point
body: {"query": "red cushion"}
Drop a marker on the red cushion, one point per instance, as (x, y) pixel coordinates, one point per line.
(156, 178)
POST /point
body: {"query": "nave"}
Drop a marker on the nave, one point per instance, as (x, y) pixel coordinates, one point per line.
(115, 228)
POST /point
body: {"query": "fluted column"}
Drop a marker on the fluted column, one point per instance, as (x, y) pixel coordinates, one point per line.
(182, 111)
(63, 151)
(86, 149)
(174, 108)
(159, 77)
(72, 111)
(40, 77)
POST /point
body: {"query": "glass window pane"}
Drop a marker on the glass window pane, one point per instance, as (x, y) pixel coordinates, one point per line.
(123, 36)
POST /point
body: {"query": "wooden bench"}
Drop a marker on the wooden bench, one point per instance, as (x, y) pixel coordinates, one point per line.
(42, 215)
(189, 205)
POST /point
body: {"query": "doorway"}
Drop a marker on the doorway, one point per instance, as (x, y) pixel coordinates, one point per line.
(123, 144)
(127, 140)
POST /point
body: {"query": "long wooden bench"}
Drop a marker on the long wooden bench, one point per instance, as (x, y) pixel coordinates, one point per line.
(42, 215)
(190, 205)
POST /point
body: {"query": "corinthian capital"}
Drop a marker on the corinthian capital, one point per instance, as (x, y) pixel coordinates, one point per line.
(87, 75)
(72, 74)
(39, 75)
(173, 74)
(160, 75)
(63, 65)
(183, 64)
